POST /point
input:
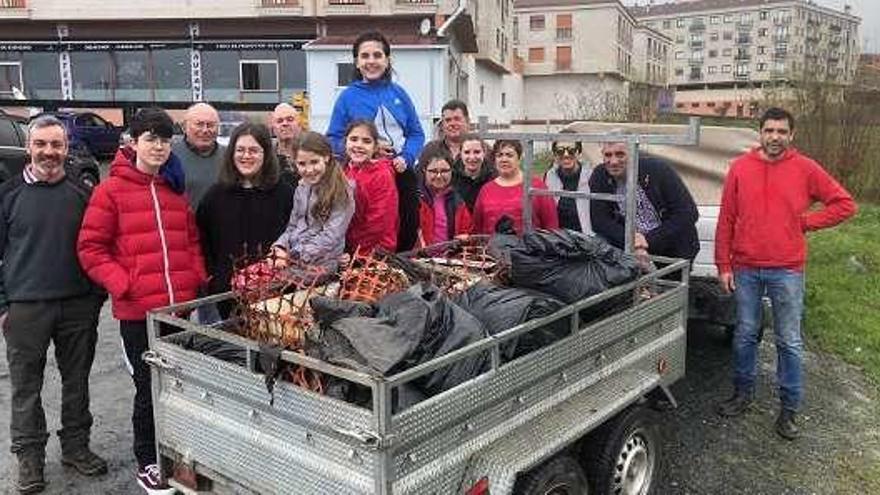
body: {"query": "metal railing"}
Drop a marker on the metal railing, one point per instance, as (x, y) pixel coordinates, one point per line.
(690, 138)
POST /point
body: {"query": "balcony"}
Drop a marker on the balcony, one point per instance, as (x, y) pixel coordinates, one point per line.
(745, 57)
(12, 4)
(695, 76)
(345, 2)
(741, 77)
(782, 21)
(415, 6)
(697, 44)
(697, 26)
(744, 25)
(743, 40)
(780, 54)
(695, 61)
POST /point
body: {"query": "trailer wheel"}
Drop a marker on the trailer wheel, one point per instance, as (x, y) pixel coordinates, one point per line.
(621, 458)
(561, 475)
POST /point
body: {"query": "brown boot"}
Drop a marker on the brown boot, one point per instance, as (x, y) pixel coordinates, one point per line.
(84, 460)
(30, 473)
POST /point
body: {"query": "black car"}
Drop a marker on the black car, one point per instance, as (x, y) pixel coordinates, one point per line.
(13, 153)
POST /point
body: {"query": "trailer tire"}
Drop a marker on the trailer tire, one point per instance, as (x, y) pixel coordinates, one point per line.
(561, 475)
(622, 456)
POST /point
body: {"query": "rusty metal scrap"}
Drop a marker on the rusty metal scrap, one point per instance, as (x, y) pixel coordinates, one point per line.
(369, 277)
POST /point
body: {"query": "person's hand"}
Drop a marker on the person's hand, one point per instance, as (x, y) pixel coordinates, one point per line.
(640, 242)
(726, 282)
(399, 164)
(3, 322)
(279, 257)
(344, 259)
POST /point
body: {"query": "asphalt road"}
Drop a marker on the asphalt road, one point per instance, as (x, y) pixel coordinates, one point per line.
(703, 454)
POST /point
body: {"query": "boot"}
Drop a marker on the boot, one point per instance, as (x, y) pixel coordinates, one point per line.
(786, 425)
(735, 406)
(84, 460)
(30, 473)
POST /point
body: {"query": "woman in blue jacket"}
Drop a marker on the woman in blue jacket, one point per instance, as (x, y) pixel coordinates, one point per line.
(374, 96)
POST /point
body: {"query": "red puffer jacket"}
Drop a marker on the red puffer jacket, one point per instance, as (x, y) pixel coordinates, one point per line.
(140, 241)
(375, 198)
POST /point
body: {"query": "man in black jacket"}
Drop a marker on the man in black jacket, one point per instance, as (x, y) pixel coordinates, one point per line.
(46, 297)
(666, 214)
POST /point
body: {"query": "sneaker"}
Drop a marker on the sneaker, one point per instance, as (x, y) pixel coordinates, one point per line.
(734, 406)
(85, 461)
(786, 425)
(151, 481)
(30, 474)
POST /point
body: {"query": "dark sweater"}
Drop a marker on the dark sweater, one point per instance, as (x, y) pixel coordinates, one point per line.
(677, 234)
(38, 236)
(469, 187)
(566, 208)
(232, 218)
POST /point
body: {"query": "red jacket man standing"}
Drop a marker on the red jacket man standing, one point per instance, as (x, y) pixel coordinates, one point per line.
(760, 248)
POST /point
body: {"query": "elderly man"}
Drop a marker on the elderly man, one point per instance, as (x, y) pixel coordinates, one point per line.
(666, 214)
(760, 248)
(46, 297)
(198, 151)
(285, 125)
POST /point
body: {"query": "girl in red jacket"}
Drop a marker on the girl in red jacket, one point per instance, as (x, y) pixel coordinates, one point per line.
(443, 214)
(375, 217)
(139, 240)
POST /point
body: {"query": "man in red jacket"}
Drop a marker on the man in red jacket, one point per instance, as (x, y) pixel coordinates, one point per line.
(760, 248)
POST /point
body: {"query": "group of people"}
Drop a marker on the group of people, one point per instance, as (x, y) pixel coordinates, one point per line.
(173, 215)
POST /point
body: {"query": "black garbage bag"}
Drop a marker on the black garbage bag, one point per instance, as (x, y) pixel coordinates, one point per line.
(219, 349)
(568, 265)
(502, 308)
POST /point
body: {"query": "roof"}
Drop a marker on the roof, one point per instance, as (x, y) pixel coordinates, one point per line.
(691, 6)
(524, 4)
(395, 40)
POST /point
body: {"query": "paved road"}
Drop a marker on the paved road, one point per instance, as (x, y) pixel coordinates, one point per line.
(703, 454)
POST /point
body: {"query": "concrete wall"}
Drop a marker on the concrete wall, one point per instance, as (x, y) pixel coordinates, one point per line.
(574, 96)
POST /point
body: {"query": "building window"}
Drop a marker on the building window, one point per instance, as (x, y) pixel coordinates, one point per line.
(714, 19)
(10, 75)
(679, 55)
(762, 32)
(344, 74)
(727, 52)
(92, 75)
(482, 94)
(667, 24)
(713, 53)
(563, 27)
(536, 55)
(679, 39)
(763, 15)
(762, 50)
(515, 29)
(563, 57)
(171, 74)
(679, 22)
(536, 23)
(712, 69)
(713, 36)
(728, 18)
(259, 75)
(503, 100)
(695, 104)
(761, 67)
(679, 105)
(725, 69)
(728, 35)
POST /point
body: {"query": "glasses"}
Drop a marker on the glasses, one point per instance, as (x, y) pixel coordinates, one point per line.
(566, 150)
(614, 154)
(151, 139)
(249, 151)
(439, 172)
(205, 125)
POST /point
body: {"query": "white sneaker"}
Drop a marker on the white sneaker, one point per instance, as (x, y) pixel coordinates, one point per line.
(151, 481)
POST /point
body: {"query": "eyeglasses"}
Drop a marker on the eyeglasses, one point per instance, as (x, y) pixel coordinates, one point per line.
(614, 154)
(154, 140)
(566, 150)
(205, 125)
(249, 151)
(436, 172)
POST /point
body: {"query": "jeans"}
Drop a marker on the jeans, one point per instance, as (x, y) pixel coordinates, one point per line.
(135, 343)
(71, 325)
(785, 288)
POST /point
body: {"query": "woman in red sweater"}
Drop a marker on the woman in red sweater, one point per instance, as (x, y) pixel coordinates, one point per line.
(503, 196)
(443, 214)
(375, 195)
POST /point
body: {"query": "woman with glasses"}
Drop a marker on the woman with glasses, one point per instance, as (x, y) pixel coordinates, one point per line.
(443, 214)
(569, 173)
(503, 197)
(246, 210)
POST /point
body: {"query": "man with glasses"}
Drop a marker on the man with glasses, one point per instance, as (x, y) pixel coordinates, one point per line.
(45, 296)
(666, 214)
(569, 173)
(199, 152)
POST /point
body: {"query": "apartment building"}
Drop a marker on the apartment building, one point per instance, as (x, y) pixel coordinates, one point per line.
(726, 51)
(581, 58)
(245, 53)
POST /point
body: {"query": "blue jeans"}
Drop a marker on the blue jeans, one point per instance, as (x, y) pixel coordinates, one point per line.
(785, 288)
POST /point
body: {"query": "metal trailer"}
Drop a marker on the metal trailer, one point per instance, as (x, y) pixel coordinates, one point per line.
(524, 426)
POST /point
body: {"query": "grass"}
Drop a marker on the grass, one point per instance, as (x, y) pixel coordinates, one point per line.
(843, 291)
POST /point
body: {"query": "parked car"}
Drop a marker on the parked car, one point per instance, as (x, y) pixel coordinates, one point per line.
(91, 131)
(13, 153)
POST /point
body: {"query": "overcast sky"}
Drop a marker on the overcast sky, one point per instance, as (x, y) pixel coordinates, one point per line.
(868, 10)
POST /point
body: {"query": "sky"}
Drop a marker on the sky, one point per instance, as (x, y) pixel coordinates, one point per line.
(868, 10)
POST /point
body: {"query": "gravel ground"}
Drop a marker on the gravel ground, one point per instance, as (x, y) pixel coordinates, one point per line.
(703, 454)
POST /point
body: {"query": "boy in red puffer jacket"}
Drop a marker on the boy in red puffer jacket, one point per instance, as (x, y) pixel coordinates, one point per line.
(139, 240)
